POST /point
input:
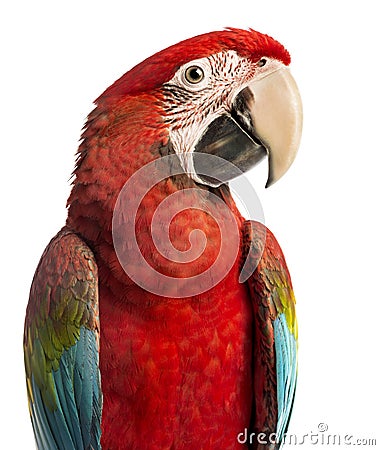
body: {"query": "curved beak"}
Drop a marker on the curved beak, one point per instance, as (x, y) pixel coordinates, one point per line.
(265, 119)
(277, 117)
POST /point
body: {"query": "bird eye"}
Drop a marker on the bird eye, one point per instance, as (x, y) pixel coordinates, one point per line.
(194, 74)
(262, 62)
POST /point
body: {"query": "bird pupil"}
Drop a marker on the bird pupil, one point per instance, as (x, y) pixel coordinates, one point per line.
(262, 62)
(195, 73)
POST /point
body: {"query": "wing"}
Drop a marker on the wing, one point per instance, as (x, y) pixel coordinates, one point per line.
(275, 334)
(61, 347)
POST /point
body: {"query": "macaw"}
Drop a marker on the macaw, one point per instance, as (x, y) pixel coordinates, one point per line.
(114, 363)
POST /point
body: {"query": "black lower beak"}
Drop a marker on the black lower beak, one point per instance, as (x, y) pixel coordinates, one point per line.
(229, 137)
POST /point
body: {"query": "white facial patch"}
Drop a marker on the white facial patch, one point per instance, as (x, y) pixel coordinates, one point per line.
(199, 92)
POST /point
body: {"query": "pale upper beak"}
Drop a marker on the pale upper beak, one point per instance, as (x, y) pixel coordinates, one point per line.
(276, 111)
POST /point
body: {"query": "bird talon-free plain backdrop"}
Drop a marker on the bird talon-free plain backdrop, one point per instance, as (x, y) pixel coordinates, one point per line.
(57, 58)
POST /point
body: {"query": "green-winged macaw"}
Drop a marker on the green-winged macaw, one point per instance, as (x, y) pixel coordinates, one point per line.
(114, 363)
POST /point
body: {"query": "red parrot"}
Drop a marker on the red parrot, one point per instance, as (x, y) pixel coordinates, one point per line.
(184, 355)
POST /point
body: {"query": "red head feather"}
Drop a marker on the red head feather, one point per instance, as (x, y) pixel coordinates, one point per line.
(145, 76)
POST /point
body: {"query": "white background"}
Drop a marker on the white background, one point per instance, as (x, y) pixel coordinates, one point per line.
(58, 57)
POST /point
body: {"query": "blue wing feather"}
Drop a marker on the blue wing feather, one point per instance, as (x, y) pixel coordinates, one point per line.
(286, 370)
(40, 421)
(77, 384)
(86, 377)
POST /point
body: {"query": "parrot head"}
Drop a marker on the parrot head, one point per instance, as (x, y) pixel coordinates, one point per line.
(227, 93)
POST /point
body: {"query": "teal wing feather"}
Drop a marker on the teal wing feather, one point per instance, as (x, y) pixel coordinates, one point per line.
(61, 347)
(275, 334)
